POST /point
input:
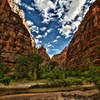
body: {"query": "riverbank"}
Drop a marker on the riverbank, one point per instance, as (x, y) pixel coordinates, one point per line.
(72, 95)
(41, 88)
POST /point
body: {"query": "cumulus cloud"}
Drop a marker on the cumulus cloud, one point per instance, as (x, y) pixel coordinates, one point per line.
(58, 37)
(39, 36)
(27, 6)
(49, 45)
(45, 5)
(65, 30)
(75, 9)
(29, 22)
(43, 28)
(55, 41)
(46, 33)
(17, 1)
(35, 29)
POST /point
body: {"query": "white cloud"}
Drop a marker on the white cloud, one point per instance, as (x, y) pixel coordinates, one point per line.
(30, 23)
(58, 37)
(76, 24)
(34, 29)
(49, 45)
(39, 36)
(38, 43)
(45, 35)
(49, 30)
(44, 5)
(65, 30)
(56, 50)
(17, 1)
(28, 7)
(55, 41)
(43, 28)
(75, 9)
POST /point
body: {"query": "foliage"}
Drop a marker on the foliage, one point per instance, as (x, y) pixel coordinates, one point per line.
(34, 61)
(4, 69)
(21, 68)
(5, 80)
(65, 82)
(27, 66)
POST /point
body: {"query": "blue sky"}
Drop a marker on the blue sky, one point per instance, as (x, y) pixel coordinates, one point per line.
(53, 22)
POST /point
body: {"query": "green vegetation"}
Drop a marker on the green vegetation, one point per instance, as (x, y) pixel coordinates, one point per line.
(30, 68)
(4, 78)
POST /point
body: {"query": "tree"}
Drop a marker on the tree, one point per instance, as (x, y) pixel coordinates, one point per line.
(21, 67)
(4, 68)
(4, 78)
(34, 61)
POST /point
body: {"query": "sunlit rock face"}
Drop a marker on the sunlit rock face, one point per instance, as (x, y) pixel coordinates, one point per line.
(15, 39)
(84, 49)
(20, 12)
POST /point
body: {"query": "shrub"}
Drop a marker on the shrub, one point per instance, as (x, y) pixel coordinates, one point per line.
(73, 81)
(5, 80)
(4, 68)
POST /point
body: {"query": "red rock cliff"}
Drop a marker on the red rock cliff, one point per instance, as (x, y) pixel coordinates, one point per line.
(60, 58)
(14, 37)
(83, 49)
(43, 53)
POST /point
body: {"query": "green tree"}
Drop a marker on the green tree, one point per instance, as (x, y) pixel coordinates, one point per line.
(21, 67)
(4, 68)
(4, 78)
(34, 61)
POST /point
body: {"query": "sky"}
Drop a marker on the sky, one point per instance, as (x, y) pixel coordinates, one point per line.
(54, 22)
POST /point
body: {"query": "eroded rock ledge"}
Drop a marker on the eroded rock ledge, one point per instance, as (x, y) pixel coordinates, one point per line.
(20, 12)
(14, 36)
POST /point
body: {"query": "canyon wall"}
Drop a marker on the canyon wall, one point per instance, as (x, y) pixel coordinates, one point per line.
(84, 48)
(15, 36)
(60, 58)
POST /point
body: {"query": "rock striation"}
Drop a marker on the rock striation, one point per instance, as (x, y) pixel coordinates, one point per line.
(60, 58)
(83, 49)
(44, 54)
(14, 37)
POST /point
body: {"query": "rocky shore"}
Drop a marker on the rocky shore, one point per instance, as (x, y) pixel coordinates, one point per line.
(73, 95)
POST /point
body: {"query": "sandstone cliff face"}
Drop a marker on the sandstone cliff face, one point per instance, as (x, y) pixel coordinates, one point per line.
(83, 49)
(14, 37)
(60, 58)
(20, 12)
(43, 53)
